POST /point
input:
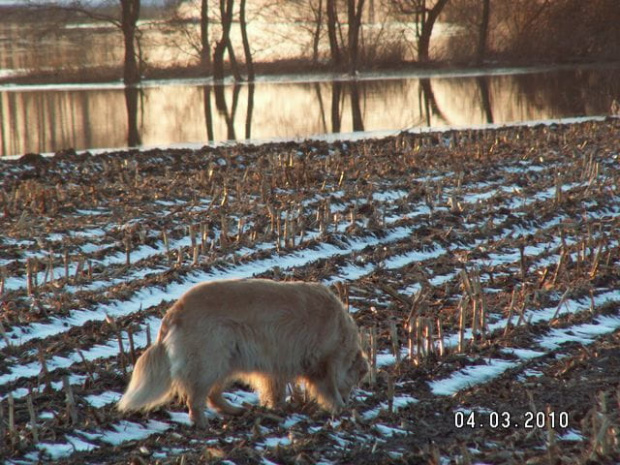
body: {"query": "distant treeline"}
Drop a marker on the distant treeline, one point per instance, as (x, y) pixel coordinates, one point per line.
(537, 30)
(352, 35)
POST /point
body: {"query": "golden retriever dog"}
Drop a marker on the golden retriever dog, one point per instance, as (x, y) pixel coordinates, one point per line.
(262, 332)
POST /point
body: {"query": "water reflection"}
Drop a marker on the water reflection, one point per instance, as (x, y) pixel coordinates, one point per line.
(48, 119)
(485, 98)
(131, 102)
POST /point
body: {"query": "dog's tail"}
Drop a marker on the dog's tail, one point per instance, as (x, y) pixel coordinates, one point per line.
(151, 382)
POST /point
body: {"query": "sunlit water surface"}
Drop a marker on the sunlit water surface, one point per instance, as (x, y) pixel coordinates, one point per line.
(52, 118)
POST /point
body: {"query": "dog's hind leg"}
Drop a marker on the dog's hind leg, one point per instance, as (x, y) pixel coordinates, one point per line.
(196, 397)
(271, 388)
(196, 391)
(217, 402)
(273, 391)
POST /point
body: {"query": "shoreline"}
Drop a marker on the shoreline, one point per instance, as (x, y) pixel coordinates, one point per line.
(292, 67)
(329, 138)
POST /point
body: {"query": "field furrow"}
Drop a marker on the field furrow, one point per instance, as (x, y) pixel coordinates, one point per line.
(477, 261)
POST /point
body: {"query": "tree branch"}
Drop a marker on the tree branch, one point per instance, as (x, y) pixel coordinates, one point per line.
(78, 8)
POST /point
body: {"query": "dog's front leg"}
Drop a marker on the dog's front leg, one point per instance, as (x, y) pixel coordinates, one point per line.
(326, 392)
(197, 414)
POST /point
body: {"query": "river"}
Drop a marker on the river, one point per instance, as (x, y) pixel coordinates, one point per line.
(49, 118)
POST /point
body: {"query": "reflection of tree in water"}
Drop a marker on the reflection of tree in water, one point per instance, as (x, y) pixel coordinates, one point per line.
(131, 102)
(356, 109)
(206, 99)
(428, 103)
(517, 97)
(45, 120)
(221, 105)
(336, 110)
(222, 108)
(575, 92)
(485, 98)
(250, 111)
(319, 98)
(358, 93)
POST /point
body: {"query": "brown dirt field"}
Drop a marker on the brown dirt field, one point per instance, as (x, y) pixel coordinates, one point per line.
(507, 236)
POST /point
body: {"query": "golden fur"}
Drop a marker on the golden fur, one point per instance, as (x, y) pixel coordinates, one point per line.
(263, 332)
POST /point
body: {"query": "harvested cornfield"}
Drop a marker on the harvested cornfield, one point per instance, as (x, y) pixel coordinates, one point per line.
(481, 265)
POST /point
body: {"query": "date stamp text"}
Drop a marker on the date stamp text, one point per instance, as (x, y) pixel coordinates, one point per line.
(495, 420)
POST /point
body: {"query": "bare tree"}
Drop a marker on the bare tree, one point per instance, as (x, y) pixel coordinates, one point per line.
(205, 46)
(181, 32)
(332, 33)
(126, 20)
(198, 42)
(354, 9)
(483, 32)
(224, 44)
(307, 16)
(130, 12)
(344, 53)
(226, 13)
(246, 42)
(316, 36)
(425, 16)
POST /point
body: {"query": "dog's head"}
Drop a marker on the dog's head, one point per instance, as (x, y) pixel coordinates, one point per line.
(353, 373)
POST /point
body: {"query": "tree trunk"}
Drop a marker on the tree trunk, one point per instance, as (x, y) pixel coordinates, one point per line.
(332, 21)
(424, 41)
(130, 12)
(205, 47)
(483, 32)
(249, 65)
(318, 15)
(218, 61)
(226, 10)
(355, 22)
(234, 65)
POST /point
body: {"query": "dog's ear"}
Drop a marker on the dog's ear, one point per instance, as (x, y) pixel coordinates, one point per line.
(360, 365)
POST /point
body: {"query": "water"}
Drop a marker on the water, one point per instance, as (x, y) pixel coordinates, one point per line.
(44, 119)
